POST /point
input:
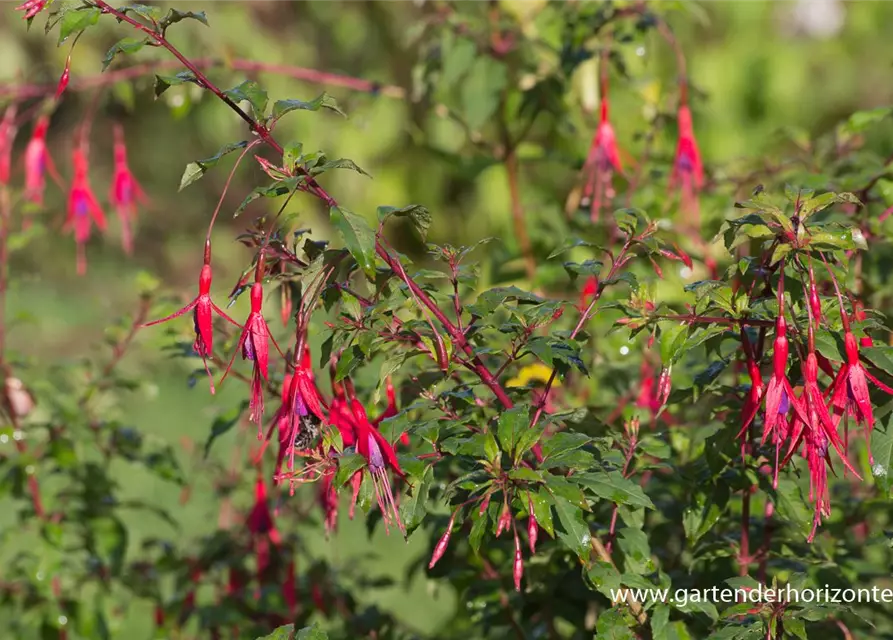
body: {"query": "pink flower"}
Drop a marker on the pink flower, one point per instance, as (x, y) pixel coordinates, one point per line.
(201, 307)
(688, 171)
(601, 163)
(32, 8)
(125, 191)
(254, 345)
(7, 138)
(37, 161)
(83, 207)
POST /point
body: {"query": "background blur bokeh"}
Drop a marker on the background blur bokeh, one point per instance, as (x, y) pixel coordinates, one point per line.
(757, 67)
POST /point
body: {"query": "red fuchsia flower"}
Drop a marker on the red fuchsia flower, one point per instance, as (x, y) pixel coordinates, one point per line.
(201, 307)
(83, 207)
(819, 418)
(328, 499)
(125, 191)
(32, 8)
(601, 163)
(755, 394)
(688, 172)
(254, 345)
(64, 78)
(816, 454)
(37, 162)
(7, 138)
(590, 290)
(379, 456)
(303, 411)
(849, 391)
(815, 303)
(262, 528)
(289, 589)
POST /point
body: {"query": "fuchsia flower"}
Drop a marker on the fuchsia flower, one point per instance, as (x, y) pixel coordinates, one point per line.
(7, 138)
(688, 170)
(83, 207)
(125, 191)
(590, 290)
(379, 456)
(849, 391)
(302, 410)
(601, 163)
(32, 8)
(262, 528)
(816, 454)
(755, 394)
(254, 345)
(38, 161)
(201, 307)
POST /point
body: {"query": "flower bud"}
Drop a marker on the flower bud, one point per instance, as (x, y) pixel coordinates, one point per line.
(518, 568)
(442, 544)
(505, 520)
(533, 528)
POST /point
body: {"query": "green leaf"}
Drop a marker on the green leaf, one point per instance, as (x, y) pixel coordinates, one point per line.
(672, 341)
(125, 45)
(611, 485)
(542, 509)
(147, 13)
(174, 16)
(564, 441)
(636, 551)
(195, 170)
(350, 359)
(413, 507)
(882, 450)
(163, 83)
(417, 214)
(76, 20)
(340, 163)
(250, 92)
(614, 624)
(358, 237)
(575, 534)
(275, 190)
(510, 426)
(348, 465)
(481, 91)
(107, 539)
(323, 101)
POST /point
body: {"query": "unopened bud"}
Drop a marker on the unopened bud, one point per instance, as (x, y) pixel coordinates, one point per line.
(442, 544)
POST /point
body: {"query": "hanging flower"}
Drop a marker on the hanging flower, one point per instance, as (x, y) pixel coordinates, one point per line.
(601, 163)
(37, 161)
(254, 346)
(687, 176)
(83, 207)
(125, 191)
(7, 138)
(202, 307)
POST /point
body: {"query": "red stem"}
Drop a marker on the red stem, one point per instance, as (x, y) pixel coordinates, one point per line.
(314, 188)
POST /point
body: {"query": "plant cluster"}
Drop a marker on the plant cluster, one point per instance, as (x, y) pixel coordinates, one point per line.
(547, 471)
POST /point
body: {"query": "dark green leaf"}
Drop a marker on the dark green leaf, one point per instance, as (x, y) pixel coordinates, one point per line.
(163, 83)
(125, 45)
(575, 532)
(197, 169)
(250, 92)
(611, 485)
(224, 423)
(418, 215)
(174, 16)
(76, 20)
(358, 237)
(323, 101)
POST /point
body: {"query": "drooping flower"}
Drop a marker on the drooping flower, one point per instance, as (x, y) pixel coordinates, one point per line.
(755, 394)
(262, 528)
(379, 456)
(300, 423)
(601, 162)
(37, 162)
(83, 207)
(7, 138)
(254, 345)
(816, 454)
(849, 391)
(125, 191)
(32, 8)
(201, 307)
(687, 176)
(590, 290)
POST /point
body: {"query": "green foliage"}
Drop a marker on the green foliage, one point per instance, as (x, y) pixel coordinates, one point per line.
(563, 416)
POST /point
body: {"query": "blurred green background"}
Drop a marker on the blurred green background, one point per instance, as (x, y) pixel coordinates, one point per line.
(757, 67)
